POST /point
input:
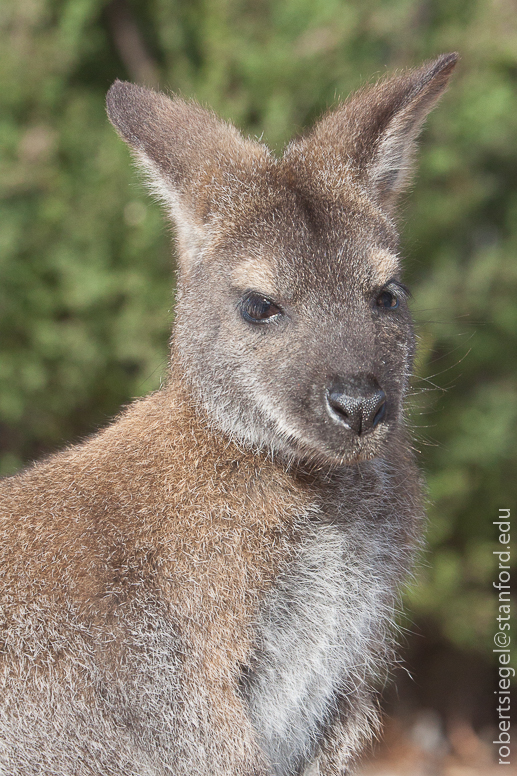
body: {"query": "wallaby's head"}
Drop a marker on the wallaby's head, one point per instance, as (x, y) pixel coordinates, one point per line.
(292, 328)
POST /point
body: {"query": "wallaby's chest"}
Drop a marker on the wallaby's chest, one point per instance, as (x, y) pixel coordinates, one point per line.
(314, 638)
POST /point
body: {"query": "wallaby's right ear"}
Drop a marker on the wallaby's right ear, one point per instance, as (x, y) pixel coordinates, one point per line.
(186, 151)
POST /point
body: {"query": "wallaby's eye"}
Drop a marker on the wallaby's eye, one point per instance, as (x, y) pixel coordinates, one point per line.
(388, 300)
(390, 296)
(257, 308)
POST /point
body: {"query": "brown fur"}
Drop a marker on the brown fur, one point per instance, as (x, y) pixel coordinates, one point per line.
(148, 574)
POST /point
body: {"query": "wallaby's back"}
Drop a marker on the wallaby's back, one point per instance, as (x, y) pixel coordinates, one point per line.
(207, 586)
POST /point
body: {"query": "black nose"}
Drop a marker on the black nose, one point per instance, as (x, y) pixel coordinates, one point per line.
(359, 403)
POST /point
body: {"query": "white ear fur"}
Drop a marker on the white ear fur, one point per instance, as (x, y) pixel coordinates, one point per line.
(392, 166)
(190, 231)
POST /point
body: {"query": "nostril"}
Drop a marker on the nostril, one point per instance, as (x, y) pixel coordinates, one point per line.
(346, 409)
(373, 410)
(379, 409)
(342, 404)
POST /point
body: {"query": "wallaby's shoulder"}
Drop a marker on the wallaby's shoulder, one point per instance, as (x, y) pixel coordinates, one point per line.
(159, 481)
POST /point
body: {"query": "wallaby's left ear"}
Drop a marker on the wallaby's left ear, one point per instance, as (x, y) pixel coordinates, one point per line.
(372, 135)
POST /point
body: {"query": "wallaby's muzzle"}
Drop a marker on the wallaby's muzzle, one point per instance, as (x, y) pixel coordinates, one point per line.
(357, 403)
(347, 417)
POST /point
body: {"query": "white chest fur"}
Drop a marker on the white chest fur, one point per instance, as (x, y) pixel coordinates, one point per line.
(322, 631)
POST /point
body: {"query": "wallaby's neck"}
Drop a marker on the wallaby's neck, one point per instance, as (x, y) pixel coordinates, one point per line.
(185, 417)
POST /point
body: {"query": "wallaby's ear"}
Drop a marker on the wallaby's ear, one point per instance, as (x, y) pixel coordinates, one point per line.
(186, 151)
(372, 135)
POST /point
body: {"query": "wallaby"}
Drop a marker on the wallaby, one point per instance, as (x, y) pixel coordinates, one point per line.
(207, 587)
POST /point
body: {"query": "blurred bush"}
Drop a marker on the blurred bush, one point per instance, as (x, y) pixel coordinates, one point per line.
(85, 273)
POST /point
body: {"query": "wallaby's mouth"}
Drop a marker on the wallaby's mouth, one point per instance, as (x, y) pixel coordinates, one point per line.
(352, 418)
(344, 452)
(356, 448)
(343, 433)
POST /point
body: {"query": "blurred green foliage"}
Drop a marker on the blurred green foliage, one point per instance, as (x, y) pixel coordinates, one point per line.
(85, 270)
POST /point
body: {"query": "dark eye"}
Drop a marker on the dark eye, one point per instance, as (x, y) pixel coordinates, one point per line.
(388, 300)
(257, 308)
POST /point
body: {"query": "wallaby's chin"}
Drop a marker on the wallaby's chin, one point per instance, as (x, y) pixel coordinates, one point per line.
(332, 451)
(317, 443)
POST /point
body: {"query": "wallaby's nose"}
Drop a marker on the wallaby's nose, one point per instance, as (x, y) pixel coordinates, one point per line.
(359, 403)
